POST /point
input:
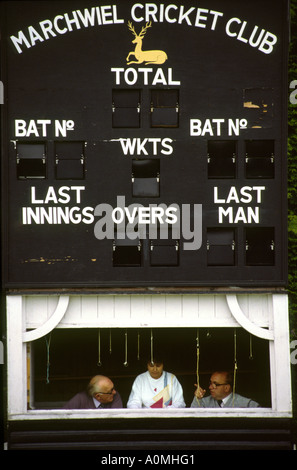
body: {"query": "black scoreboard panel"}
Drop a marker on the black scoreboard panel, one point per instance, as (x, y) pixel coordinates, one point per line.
(144, 144)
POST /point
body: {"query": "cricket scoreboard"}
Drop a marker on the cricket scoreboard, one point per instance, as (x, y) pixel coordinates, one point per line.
(144, 143)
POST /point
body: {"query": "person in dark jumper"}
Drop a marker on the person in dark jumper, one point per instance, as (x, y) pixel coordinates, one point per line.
(100, 393)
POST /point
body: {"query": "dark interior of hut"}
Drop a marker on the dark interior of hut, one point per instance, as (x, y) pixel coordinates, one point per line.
(63, 362)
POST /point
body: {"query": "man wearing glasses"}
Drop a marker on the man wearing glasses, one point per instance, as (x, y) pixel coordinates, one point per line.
(221, 394)
(100, 393)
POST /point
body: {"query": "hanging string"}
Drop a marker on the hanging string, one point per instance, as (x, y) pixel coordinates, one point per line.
(126, 349)
(251, 357)
(197, 362)
(152, 347)
(235, 365)
(99, 363)
(110, 349)
(138, 345)
(48, 343)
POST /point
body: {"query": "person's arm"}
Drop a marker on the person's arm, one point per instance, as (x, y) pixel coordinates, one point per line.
(253, 404)
(177, 394)
(71, 404)
(198, 401)
(135, 398)
(79, 401)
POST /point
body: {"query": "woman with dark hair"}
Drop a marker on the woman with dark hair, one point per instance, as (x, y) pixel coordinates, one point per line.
(156, 388)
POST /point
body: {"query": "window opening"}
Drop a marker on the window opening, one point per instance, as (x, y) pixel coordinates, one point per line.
(220, 247)
(260, 246)
(259, 161)
(221, 158)
(74, 360)
(126, 108)
(164, 253)
(70, 160)
(164, 108)
(127, 253)
(31, 160)
(146, 178)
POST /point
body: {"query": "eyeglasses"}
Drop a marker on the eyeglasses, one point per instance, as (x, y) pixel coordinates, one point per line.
(215, 385)
(107, 393)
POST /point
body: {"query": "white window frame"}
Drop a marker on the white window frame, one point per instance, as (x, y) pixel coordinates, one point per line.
(267, 319)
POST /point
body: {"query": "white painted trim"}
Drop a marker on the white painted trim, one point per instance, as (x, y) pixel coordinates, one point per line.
(51, 323)
(280, 365)
(277, 334)
(244, 321)
(151, 413)
(16, 357)
(150, 311)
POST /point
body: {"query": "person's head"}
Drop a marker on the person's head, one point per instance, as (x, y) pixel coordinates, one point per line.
(101, 388)
(155, 368)
(220, 384)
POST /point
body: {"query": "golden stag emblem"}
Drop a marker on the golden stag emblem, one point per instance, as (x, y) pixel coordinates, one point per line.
(149, 57)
